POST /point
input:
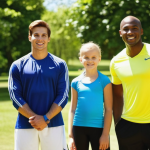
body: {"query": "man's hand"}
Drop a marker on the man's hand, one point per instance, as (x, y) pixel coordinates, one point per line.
(37, 122)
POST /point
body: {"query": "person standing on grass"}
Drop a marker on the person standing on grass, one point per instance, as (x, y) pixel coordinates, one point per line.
(39, 86)
(130, 71)
(90, 112)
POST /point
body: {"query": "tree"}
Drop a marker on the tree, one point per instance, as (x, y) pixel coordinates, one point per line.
(64, 42)
(99, 21)
(15, 17)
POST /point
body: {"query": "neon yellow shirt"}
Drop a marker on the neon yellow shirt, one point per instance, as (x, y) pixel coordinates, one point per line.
(134, 75)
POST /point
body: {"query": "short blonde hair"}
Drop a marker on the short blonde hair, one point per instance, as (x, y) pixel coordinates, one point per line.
(90, 45)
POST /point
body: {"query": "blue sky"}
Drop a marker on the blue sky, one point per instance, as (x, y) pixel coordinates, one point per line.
(53, 4)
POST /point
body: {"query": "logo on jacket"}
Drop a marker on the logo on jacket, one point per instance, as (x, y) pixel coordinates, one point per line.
(147, 58)
(51, 67)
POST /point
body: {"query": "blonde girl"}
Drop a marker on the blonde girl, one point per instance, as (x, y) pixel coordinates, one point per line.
(90, 113)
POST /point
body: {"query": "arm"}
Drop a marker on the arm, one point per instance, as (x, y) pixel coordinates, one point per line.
(38, 121)
(26, 111)
(15, 92)
(71, 116)
(117, 102)
(117, 92)
(62, 92)
(104, 139)
(15, 87)
(62, 86)
(54, 110)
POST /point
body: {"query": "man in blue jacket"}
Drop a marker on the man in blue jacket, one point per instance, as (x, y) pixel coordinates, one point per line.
(38, 87)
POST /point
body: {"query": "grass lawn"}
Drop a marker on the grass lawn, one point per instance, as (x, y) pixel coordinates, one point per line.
(7, 122)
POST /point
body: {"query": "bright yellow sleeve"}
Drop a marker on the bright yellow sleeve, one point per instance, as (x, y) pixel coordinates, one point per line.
(114, 78)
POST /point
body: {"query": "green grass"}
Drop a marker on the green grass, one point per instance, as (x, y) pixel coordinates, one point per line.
(4, 96)
(3, 78)
(8, 116)
(4, 84)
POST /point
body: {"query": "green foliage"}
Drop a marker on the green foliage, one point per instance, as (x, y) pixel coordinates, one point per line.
(64, 42)
(15, 17)
(99, 21)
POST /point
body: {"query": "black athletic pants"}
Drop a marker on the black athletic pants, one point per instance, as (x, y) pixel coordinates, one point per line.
(85, 135)
(133, 136)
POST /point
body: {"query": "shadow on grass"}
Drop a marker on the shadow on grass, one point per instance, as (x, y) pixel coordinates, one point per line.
(4, 95)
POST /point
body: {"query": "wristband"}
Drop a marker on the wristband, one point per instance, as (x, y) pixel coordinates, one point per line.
(46, 119)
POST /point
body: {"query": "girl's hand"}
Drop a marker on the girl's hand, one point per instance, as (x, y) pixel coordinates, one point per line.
(72, 144)
(104, 142)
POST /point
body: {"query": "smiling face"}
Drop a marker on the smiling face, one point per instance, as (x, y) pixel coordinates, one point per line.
(39, 39)
(90, 56)
(131, 31)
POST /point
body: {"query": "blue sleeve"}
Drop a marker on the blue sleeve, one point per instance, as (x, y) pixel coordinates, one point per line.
(105, 81)
(15, 87)
(62, 86)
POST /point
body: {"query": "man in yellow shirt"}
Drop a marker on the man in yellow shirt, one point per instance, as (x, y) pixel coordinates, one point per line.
(130, 71)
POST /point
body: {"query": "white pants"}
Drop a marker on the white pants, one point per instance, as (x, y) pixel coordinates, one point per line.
(49, 138)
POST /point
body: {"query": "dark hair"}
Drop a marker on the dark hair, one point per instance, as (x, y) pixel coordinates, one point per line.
(39, 23)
